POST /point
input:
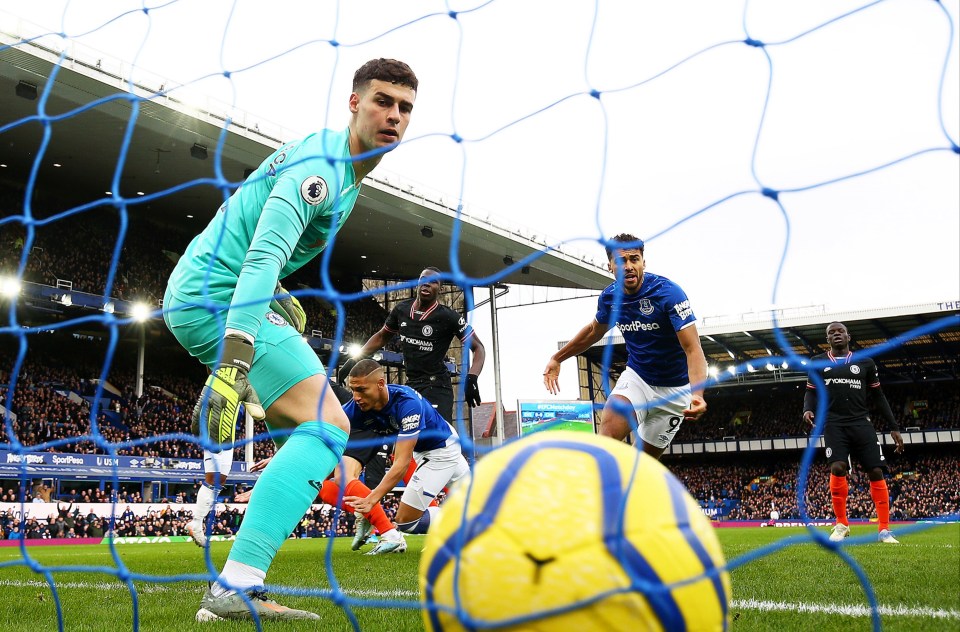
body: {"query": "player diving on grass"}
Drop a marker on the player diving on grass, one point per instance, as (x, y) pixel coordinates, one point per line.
(398, 411)
(363, 448)
(217, 304)
(664, 356)
(848, 431)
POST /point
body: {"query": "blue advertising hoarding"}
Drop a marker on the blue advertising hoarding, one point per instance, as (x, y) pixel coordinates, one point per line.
(100, 466)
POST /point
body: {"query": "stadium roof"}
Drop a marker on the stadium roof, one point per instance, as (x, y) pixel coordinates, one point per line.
(749, 338)
(173, 148)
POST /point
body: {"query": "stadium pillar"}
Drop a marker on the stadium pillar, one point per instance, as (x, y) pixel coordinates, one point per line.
(140, 353)
(248, 433)
(496, 365)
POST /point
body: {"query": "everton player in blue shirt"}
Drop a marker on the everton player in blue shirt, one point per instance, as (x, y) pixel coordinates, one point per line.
(401, 414)
(664, 356)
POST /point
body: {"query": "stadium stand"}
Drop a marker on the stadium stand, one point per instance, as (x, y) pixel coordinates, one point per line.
(920, 486)
(774, 411)
(57, 383)
(170, 520)
(49, 405)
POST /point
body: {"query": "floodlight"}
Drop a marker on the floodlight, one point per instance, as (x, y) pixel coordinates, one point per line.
(9, 286)
(140, 312)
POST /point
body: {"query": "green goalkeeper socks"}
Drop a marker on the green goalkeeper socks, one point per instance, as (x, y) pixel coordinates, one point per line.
(285, 491)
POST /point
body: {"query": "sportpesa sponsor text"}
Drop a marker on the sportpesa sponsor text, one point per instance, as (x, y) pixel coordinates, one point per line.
(638, 326)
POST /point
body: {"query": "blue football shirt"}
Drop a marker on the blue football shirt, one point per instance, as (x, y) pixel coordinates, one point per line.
(406, 415)
(649, 321)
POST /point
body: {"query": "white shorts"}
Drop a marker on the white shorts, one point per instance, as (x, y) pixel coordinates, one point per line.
(659, 409)
(436, 469)
(218, 462)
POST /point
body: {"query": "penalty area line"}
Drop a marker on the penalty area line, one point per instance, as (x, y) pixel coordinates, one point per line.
(846, 610)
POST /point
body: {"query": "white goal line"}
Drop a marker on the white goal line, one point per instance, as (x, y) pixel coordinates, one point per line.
(846, 610)
(741, 604)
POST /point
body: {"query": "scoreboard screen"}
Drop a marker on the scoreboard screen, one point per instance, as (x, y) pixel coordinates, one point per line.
(537, 415)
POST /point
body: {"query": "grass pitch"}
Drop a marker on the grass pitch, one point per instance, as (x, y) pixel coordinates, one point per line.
(798, 587)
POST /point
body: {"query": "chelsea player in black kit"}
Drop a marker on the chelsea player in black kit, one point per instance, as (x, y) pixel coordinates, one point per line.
(848, 431)
(426, 328)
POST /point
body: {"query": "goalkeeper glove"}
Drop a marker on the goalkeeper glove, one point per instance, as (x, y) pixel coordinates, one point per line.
(473, 391)
(344, 371)
(289, 307)
(225, 390)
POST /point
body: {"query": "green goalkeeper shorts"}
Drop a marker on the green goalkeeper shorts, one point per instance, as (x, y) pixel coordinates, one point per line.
(281, 356)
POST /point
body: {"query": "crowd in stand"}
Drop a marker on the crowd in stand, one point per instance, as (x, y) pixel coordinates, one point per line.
(146, 261)
(142, 268)
(68, 522)
(921, 486)
(45, 413)
(767, 414)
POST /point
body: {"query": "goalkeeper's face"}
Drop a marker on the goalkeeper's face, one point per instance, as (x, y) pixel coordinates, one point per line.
(381, 113)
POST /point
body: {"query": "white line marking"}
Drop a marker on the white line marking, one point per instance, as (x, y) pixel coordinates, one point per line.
(36, 583)
(742, 604)
(850, 611)
(182, 587)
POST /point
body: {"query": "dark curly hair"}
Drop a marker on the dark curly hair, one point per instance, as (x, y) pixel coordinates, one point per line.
(389, 70)
(626, 238)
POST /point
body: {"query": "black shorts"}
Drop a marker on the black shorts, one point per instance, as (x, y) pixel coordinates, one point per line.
(372, 451)
(439, 393)
(859, 441)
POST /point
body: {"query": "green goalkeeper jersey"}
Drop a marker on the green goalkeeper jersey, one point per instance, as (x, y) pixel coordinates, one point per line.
(278, 220)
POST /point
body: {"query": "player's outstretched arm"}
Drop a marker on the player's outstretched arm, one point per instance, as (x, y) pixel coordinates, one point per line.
(402, 454)
(243, 497)
(696, 370)
(479, 354)
(476, 365)
(809, 406)
(584, 339)
(880, 400)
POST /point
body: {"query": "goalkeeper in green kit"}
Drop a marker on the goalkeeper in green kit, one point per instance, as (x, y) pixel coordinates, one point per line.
(225, 305)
